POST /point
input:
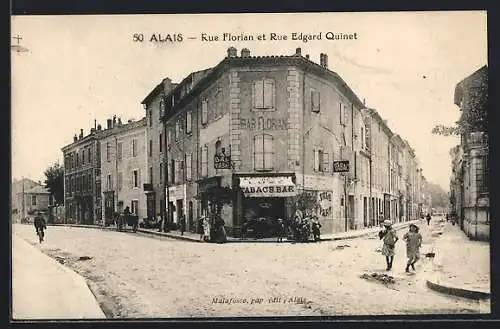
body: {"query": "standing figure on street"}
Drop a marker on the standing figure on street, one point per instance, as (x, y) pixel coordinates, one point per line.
(413, 241)
(281, 230)
(40, 225)
(206, 228)
(389, 237)
(428, 218)
(182, 223)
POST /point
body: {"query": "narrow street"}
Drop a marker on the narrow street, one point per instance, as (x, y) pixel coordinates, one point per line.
(134, 275)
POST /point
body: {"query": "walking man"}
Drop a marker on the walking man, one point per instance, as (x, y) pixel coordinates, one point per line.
(428, 218)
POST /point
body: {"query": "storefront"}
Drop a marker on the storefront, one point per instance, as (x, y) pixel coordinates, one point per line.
(261, 201)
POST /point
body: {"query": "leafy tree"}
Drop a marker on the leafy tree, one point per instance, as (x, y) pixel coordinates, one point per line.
(474, 110)
(54, 181)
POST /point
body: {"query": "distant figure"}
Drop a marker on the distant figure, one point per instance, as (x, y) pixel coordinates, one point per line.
(160, 221)
(413, 242)
(182, 223)
(126, 211)
(428, 218)
(40, 225)
(281, 230)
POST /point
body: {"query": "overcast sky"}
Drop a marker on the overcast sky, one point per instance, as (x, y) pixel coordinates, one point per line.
(81, 68)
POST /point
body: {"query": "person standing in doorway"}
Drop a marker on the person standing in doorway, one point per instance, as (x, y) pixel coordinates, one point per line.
(389, 237)
(428, 218)
(182, 223)
(413, 242)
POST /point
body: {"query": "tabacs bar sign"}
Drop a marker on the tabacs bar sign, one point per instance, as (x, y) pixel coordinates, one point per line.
(267, 186)
(341, 166)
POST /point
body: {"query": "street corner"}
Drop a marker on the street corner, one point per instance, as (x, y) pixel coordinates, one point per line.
(437, 283)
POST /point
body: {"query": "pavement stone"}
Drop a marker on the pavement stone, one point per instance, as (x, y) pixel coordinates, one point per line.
(461, 266)
(44, 289)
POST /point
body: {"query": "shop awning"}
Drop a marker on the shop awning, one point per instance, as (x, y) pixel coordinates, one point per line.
(272, 186)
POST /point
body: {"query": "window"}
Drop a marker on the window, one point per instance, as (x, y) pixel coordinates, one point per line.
(169, 138)
(161, 142)
(188, 122)
(161, 172)
(321, 161)
(134, 147)
(177, 130)
(315, 101)
(263, 152)
(135, 178)
(119, 151)
(188, 166)
(150, 148)
(33, 200)
(108, 152)
(84, 183)
(77, 162)
(83, 156)
(218, 103)
(90, 155)
(218, 148)
(150, 118)
(110, 182)
(151, 175)
(204, 111)
(481, 164)
(134, 207)
(204, 161)
(363, 141)
(263, 94)
(171, 171)
(120, 180)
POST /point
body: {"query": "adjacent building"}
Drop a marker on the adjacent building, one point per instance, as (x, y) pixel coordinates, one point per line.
(28, 197)
(124, 171)
(469, 192)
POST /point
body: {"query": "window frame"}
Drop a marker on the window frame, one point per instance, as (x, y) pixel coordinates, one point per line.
(261, 83)
(256, 148)
(204, 111)
(204, 161)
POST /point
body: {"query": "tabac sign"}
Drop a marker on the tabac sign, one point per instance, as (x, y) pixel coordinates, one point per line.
(258, 187)
(341, 166)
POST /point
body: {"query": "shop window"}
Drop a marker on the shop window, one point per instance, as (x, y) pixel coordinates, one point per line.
(263, 94)
(204, 161)
(204, 112)
(315, 101)
(263, 152)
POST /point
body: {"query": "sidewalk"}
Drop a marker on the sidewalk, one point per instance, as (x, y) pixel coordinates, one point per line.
(44, 289)
(195, 237)
(461, 266)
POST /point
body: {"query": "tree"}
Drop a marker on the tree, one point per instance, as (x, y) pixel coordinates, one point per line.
(54, 181)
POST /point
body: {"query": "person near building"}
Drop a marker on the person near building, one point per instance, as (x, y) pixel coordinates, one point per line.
(40, 225)
(281, 230)
(413, 241)
(206, 228)
(389, 238)
(182, 224)
(159, 220)
(428, 218)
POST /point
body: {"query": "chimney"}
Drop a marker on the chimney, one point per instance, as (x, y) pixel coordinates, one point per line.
(245, 52)
(298, 52)
(114, 121)
(81, 133)
(92, 130)
(325, 61)
(232, 52)
(75, 138)
(95, 124)
(167, 85)
(110, 123)
(99, 127)
(321, 59)
(307, 56)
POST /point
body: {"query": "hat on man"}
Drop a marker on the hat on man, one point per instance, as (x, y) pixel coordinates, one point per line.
(387, 222)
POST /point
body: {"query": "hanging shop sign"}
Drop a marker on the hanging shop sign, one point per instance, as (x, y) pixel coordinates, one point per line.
(258, 187)
(341, 166)
(222, 161)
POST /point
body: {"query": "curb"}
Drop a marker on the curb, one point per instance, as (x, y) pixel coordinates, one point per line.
(457, 291)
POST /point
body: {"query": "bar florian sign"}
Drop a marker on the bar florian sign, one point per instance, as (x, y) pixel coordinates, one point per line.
(222, 161)
(341, 166)
(259, 187)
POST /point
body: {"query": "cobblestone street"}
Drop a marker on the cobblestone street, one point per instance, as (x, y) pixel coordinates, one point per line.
(134, 275)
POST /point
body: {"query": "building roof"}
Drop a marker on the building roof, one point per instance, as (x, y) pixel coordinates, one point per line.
(37, 189)
(125, 127)
(291, 60)
(382, 122)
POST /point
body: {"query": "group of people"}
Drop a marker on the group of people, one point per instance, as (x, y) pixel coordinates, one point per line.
(303, 225)
(413, 241)
(211, 228)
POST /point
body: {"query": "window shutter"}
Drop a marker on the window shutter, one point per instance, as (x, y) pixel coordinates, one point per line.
(316, 160)
(326, 162)
(315, 97)
(204, 111)
(258, 94)
(268, 94)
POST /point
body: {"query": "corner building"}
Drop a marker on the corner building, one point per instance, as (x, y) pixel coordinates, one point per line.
(282, 120)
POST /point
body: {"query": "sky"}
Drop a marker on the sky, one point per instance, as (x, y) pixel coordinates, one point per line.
(84, 68)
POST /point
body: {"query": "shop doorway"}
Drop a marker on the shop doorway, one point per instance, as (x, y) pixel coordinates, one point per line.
(365, 217)
(260, 216)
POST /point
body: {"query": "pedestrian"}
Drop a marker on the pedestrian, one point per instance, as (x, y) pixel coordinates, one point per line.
(428, 218)
(389, 237)
(281, 230)
(206, 228)
(413, 242)
(159, 220)
(182, 222)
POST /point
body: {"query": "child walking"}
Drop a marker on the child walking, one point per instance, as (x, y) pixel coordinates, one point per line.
(389, 237)
(413, 242)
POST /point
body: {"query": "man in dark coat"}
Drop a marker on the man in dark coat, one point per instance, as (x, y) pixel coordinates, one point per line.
(40, 223)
